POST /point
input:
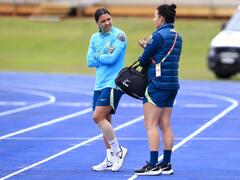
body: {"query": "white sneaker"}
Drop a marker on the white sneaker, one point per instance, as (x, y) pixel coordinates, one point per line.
(118, 158)
(106, 165)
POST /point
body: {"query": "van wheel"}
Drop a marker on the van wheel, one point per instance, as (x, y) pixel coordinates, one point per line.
(223, 75)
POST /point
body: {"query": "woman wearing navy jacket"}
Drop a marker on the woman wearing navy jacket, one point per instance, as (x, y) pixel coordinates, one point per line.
(161, 59)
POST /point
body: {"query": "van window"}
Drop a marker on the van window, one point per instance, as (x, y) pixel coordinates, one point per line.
(234, 23)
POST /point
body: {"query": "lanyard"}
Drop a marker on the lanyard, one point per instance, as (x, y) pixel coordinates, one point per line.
(169, 52)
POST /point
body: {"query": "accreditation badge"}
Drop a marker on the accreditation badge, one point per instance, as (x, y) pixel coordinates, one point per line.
(158, 70)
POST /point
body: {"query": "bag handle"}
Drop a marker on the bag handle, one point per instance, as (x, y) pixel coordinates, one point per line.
(135, 64)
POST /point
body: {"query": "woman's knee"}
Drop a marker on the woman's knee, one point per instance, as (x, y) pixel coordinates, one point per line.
(149, 124)
(102, 113)
(164, 126)
(164, 123)
(97, 117)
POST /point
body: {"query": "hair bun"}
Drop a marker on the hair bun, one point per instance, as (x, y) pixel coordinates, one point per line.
(173, 7)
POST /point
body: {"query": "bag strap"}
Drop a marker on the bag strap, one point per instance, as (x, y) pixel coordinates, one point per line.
(170, 50)
(135, 64)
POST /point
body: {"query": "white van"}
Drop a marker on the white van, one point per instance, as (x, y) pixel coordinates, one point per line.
(224, 50)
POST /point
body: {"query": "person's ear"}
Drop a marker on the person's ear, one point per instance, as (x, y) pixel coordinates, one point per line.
(162, 20)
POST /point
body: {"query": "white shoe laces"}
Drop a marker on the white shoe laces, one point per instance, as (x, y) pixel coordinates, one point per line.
(119, 156)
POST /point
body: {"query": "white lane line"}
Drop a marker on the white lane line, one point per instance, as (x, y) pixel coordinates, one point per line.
(12, 103)
(74, 104)
(226, 90)
(51, 88)
(234, 104)
(119, 138)
(140, 118)
(201, 105)
(63, 118)
(133, 105)
(51, 100)
(87, 104)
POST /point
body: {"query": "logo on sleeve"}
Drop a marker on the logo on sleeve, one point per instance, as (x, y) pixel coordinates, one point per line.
(121, 37)
(150, 40)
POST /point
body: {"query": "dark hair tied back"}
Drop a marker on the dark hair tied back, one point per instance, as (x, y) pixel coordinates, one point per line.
(168, 12)
(99, 12)
(173, 7)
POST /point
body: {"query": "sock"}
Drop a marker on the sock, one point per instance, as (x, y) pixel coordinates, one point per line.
(108, 154)
(107, 130)
(153, 158)
(109, 133)
(167, 156)
(114, 146)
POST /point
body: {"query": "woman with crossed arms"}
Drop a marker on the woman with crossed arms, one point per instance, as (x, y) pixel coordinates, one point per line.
(106, 53)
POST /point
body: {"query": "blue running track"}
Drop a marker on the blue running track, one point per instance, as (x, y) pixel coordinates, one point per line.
(47, 131)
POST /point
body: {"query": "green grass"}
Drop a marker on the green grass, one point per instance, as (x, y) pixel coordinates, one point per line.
(62, 47)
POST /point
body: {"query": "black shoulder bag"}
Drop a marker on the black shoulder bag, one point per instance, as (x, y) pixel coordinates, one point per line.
(131, 81)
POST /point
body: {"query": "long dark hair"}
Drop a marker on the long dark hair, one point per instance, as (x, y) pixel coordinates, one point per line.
(99, 12)
(168, 12)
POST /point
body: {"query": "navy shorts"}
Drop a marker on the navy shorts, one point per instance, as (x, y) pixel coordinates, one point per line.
(160, 97)
(107, 97)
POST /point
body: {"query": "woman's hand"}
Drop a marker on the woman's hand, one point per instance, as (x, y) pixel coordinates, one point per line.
(142, 42)
(110, 50)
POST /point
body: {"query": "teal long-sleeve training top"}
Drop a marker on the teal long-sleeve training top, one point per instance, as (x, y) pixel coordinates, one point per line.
(107, 64)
